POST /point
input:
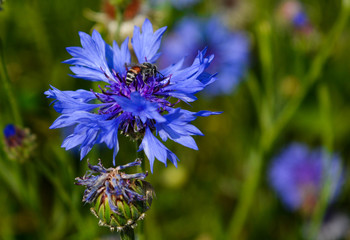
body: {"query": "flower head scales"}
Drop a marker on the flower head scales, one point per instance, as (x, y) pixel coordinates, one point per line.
(119, 199)
(136, 100)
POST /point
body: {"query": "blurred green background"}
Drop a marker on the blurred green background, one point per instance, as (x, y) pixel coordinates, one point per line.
(301, 78)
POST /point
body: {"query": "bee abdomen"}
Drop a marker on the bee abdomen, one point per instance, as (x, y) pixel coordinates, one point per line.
(130, 77)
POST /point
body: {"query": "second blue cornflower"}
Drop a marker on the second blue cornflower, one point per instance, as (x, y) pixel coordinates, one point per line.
(298, 176)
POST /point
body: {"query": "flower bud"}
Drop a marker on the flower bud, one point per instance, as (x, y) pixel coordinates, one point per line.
(119, 200)
(19, 143)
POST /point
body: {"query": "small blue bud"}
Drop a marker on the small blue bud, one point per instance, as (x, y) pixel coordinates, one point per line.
(19, 143)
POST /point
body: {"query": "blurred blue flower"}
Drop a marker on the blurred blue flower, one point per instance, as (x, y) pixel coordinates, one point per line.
(19, 143)
(231, 50)
(298, 174)
(294, 14)
(137, 107)
(300, 20)
(10, 132)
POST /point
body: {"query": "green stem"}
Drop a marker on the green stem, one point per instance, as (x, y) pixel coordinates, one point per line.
(141, 155)
(263, 31)
(323, 201)
(325, 116)
(7, 88)
(253, 87)
(246, 198)
(127, 234)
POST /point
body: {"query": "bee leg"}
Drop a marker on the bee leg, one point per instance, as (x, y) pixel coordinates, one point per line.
(144, 78)
(161, 75)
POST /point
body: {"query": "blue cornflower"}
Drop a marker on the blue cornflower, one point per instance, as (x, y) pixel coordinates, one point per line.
(134, 103)
(298, 175)
(231, 50)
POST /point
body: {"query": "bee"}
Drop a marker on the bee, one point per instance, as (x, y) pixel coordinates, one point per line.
(146, 69)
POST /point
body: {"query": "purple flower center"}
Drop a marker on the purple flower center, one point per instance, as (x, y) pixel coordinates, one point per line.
(151, 92)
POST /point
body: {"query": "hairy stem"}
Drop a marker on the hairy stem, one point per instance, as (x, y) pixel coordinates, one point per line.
(127, 234)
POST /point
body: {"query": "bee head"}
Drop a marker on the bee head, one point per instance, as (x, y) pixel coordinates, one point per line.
(148, 65)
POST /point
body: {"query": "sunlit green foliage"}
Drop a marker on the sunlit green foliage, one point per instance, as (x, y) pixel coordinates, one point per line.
(296, 90)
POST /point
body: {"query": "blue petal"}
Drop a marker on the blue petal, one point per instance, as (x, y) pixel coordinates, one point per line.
(89, 74)
(89, 142)
(110, 135)
(138, 106)
(147, 43)
(71, 101)
(153, 148)
(83, 135)
(206, 113)
(173, 68)
(91, 60)
(80, 94)
(76, 138)
(91, 129)
(121, 56)
(81, 117)
(186, 141)
(207, 78)
(178, 128)
(188, 81)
